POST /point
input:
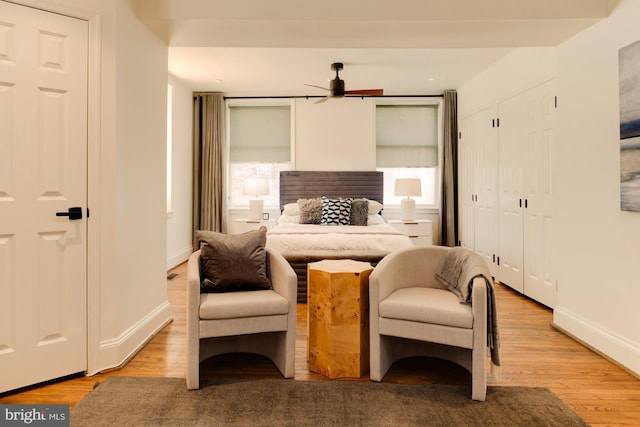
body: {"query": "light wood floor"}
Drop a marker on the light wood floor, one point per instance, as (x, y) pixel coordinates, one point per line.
(533, 354)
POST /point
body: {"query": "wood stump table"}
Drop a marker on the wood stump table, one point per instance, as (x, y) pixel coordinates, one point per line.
(338, 317)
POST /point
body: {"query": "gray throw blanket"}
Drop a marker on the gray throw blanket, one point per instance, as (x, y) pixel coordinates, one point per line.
(457, 271)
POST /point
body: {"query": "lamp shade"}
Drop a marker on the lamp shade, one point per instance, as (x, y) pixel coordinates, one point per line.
(255, 187)
(408, 187)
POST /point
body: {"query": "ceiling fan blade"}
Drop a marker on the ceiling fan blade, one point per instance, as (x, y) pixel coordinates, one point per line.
(321, 100)
(368, 92)
(319, 87)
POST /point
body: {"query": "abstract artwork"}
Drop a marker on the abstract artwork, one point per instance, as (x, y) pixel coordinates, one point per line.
(629, 73)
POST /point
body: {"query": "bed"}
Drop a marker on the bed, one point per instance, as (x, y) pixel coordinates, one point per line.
(300, 243)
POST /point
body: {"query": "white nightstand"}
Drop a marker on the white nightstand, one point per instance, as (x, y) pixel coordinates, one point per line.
(419, 230)
(244, 225)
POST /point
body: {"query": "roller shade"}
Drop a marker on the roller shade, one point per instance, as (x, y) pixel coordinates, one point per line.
(406, 136)
(260, 134)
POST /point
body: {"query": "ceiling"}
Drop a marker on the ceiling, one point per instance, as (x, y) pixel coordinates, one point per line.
(275, 47)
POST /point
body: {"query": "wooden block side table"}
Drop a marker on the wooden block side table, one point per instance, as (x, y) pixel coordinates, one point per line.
(338, 317)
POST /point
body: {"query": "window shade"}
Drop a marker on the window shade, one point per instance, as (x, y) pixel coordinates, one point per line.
(406, 135)
(260, 134)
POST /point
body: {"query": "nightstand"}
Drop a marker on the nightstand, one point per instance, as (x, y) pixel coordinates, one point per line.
(244, 225)
(419, 230)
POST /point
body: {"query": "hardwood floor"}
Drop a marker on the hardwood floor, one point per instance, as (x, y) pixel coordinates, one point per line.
(533, 354)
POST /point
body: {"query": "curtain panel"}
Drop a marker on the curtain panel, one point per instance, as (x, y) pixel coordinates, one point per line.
(449, 209)
(208, 163)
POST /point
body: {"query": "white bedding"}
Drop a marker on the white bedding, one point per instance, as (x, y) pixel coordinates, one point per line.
(300, 238)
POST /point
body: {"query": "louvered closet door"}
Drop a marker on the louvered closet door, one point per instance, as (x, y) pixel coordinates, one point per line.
(43, 143)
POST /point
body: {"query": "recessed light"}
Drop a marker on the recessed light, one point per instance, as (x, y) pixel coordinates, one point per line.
(431, 79)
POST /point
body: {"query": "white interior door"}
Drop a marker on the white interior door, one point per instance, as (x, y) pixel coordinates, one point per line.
(487, 226)
(539, 279)
(511, 192)
(43, 171)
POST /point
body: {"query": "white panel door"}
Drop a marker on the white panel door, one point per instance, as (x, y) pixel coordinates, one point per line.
(43, 143)
(487, 227)
(512, 117)
(539, 279)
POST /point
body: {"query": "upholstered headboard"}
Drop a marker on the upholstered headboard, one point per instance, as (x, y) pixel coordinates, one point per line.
(296, 185)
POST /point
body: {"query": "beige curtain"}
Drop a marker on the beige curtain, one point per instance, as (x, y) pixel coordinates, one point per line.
(208, 163)
(449, 209)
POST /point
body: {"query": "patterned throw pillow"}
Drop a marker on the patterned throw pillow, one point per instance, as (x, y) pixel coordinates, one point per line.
(336, 211)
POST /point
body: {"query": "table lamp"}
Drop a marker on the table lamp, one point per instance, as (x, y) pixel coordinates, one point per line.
(255, 187)
(408, 187)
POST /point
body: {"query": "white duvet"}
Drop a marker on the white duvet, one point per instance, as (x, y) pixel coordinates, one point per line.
(301, 238)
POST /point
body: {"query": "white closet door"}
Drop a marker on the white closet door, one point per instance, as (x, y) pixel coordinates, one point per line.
(487, 226)
(512, 117)
(539, 278)
(43, 171)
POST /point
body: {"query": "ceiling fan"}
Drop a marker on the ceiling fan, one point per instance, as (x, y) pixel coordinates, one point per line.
(336, 87)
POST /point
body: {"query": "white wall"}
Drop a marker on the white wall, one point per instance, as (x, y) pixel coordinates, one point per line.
(516, 72)
(596, 245)
(337, 135)
(179, 233)
(599, 245)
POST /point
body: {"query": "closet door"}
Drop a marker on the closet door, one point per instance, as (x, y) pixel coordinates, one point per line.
(512, 118)
(479, 215)
(526, 193)
(539, 278)
(466, 170)
(487, 226)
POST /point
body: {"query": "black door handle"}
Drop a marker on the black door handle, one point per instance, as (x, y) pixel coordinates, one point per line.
(73, 213)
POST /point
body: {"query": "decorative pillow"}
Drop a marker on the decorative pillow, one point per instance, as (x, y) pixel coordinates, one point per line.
(374, 207)
(359, 211)
(336, 211)
(233, 262)
(291, 209)
(289, 219)
(310, 211)
(375, 219)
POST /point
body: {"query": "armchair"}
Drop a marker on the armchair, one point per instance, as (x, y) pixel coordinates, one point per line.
(414, 314)
(256, 321)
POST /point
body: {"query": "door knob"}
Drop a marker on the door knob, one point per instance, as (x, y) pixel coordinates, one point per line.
(73, 213)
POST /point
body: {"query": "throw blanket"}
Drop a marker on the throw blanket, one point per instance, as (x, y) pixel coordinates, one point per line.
(457, 271)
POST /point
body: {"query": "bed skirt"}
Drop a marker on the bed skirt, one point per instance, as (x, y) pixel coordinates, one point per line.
(299, 263)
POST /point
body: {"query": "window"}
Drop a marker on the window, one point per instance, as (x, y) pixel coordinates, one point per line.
(407, 146)
(259, 146)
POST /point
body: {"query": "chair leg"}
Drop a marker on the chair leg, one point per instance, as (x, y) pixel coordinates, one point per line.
(479, 374)
(193, 364)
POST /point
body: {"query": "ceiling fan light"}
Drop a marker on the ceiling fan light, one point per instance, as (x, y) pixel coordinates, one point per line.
(337, 87)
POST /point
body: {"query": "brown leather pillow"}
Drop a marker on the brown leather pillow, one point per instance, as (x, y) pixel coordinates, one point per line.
(233, 262)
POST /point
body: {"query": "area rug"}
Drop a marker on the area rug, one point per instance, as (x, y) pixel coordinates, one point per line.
(124, 401)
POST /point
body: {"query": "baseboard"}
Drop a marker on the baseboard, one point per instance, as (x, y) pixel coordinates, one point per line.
(118, 351)
(619, 350)
(178, 257)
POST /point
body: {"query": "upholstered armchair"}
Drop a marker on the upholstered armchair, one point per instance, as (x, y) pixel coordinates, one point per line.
(259, 321)
(413, 314)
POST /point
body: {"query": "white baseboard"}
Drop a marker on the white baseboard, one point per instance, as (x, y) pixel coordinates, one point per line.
(610, 345)
(116, 352)
(178, 257)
